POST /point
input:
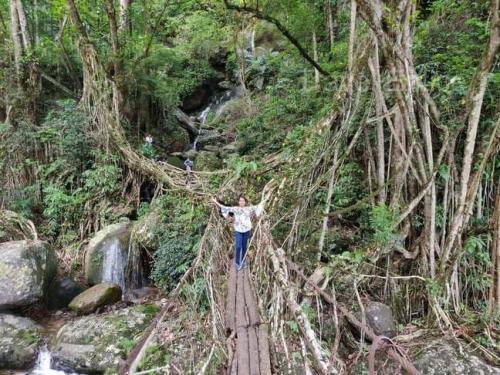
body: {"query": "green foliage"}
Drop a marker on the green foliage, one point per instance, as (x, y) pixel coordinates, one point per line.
(283, 108)
(149, 151)
(347, 189)
(196, 293)
(171, 260)
(184, 223)
(448, 45)
(155, 357)
(61, 206)
(242, 167)
(126, 344)
(382, 222)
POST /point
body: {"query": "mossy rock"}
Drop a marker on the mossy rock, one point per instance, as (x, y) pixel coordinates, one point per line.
(175, 161)
(207, 161)
(97, 296)
(26, 269)
(148, 228)
(98, 343)
(94, 255)
(439, 356)
(20, 340)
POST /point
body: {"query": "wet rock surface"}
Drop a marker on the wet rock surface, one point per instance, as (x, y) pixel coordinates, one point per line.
(97, 343)
(19, 342)
(97, 246)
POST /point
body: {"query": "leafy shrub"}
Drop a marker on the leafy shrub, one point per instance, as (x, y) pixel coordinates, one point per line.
(179, 237)
(382, 222)
(170, 261)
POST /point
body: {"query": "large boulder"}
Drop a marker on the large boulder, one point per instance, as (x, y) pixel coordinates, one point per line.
(95, 344)
(97, 296)
(61, 292)
(439, 356)
(19, 342)
(443, 357)
(379, 318)
(26, 269)
(207, 161)
(98, 245)
(148, 229)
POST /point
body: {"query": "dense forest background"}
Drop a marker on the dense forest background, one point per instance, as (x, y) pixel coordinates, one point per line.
(371, 127)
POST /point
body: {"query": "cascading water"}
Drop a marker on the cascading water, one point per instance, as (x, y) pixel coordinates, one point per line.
(43, 365)
(113, 265)
(216, 106)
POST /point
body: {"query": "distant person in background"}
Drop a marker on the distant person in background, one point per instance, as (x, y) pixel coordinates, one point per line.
(241, 217)
(189, 165)
(147, 149)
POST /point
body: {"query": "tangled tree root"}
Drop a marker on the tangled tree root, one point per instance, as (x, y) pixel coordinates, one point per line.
(15, 227)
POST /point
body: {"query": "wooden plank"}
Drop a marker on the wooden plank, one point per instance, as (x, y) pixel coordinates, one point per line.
(264, 355)
(251, 301)
(242, 351)
(231, 301)
(233, 370)
(253, 350)
(241, 316)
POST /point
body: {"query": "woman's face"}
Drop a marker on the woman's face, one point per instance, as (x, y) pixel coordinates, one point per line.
(242, 202)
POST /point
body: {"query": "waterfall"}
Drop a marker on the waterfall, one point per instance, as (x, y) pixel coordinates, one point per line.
(216, 106)
(43, 364)
(135, 272)
(113, 265)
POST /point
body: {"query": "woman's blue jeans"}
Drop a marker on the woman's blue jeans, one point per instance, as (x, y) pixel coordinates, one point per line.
(241, 241)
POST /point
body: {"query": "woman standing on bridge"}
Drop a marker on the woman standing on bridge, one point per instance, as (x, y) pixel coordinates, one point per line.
(242, 226)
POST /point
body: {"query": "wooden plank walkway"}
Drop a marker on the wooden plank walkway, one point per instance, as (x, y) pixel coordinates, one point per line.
(251, 345)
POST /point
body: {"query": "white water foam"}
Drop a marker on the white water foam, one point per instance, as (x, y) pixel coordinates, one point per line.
(43, 365)
(113, 266)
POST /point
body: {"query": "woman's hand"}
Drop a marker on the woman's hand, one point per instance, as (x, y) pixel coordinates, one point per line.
(214, 201)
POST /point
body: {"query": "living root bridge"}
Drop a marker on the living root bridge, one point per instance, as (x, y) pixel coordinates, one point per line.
(101, 100)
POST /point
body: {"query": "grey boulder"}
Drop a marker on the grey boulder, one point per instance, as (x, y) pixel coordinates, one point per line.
(26, 269)
(19, 342)
(98, 343)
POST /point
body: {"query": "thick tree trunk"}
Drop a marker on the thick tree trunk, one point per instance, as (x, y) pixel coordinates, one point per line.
(374, 66)
(23, 23)
(474, 102)
(494, 293)
(329, 23)
(315, 57)
(16, 38)
(352, 37)
(124, 15)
